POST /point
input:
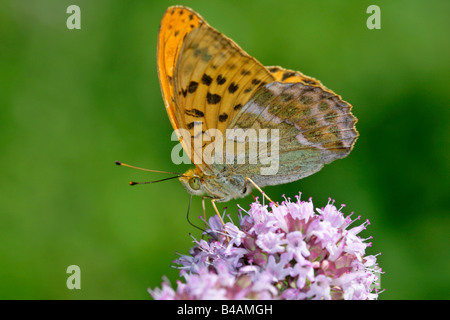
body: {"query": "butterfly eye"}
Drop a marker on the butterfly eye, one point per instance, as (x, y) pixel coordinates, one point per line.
(194, 183)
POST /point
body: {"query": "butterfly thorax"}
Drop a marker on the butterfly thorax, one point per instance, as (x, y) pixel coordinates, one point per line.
(221, 186)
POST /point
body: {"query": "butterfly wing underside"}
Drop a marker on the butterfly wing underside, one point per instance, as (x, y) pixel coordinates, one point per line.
(209, 82)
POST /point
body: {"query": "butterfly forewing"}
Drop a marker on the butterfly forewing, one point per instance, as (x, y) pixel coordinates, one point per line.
(214, 79)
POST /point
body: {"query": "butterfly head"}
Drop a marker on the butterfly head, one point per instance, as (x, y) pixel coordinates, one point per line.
(193, 181)
(220, 188)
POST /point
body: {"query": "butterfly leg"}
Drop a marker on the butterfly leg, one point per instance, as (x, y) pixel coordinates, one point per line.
(213, 201)
(259, 189)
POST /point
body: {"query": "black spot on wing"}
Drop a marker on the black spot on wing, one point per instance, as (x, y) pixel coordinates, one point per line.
(212, 98)
(192, 124)
(287, 74)
(274, 69)
(223, 117)
(221, 80)
(195, 113)
(206, 79)
(233, 87)
(192, 87)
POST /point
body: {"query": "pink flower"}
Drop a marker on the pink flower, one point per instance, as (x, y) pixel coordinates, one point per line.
(282, 252)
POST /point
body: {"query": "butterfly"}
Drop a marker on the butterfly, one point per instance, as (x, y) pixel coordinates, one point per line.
(209, 82)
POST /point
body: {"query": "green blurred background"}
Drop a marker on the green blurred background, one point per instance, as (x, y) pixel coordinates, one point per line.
(74, 101)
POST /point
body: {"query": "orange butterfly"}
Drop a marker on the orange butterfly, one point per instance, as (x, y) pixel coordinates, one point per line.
(208, 81)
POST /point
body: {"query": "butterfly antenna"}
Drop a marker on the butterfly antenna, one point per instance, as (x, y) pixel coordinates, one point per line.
(187, 216)
(132, 183)
(148, 170)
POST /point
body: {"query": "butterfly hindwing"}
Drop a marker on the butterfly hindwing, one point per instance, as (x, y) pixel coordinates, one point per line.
(314, 127)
